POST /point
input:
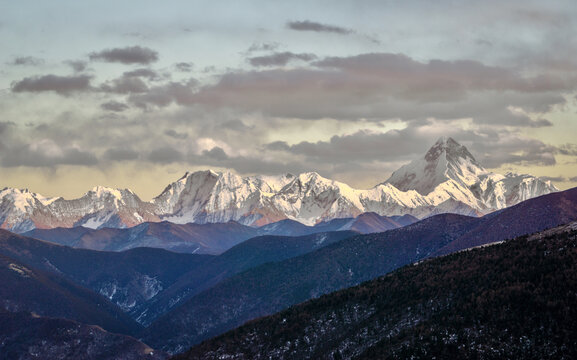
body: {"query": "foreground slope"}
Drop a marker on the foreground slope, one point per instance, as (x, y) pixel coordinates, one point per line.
(26, 336)
(507, 301)
(273, 287)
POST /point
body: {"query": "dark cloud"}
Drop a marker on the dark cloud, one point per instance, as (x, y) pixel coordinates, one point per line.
(64, 85)
(165, 155)
(216, 153)
(279, 59)
(125, 85)
(120, 154)
(114, 106)
(5, 126)
(27, 61)
(389, 86)
(77, 65)
(175, 135)
(127, 55)
(568, 149)
(245, 164)
(307, 25)
(144, 73)
(164, 95)
(184, 66)
(269, 46)
(27, 155)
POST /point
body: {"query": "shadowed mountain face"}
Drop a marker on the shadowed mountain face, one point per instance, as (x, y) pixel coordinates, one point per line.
(249, 254)
(272, 287)
(128, 279)
(508, 301)
(25, 336)
(48, 294)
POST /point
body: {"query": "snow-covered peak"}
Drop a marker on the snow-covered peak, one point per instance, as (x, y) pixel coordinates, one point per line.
(445, 160)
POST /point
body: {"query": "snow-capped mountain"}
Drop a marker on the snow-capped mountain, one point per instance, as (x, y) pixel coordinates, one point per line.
(446, 179)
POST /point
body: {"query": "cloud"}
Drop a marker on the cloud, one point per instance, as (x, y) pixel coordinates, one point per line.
(175, 135)
(573, 179)
(27, 61)
(380, 86)
(125, 85)
(307, 25)
(568, 149)
(120, 154)
(45, 153)
(164, 95)
(77, 65)
(127, 55)
(279, 59)
(64, 85)
(184, 66)
(144, 73)
(267, 46)
(165, 155)
(114, 106)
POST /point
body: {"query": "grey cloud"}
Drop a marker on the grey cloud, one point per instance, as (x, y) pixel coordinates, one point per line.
(26, 156)
(125, 85)
(27, 61)
(145, 73)
(184, 66)
(64, 85)
(573, 179)
(279, 59)
(216, 153)
(246, 165)
(5, 126)
(127, 55)
(165, 155)
(174, 134)
(308, 25)
(161, 96)
(568, 149)
(389, 86)
(114, 106)
(77, 65)
(269, 46)
(120, 154)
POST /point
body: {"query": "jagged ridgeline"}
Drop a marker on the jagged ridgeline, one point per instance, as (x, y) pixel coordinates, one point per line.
(447, 179)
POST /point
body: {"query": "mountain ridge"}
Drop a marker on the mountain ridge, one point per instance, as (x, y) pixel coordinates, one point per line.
(447, 179)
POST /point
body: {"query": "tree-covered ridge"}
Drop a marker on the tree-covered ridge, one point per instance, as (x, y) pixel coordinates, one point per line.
(508, 301)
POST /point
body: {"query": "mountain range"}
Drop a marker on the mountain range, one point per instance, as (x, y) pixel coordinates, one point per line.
(447, 179)
(171, 301)
(272, 287)
(209, 238)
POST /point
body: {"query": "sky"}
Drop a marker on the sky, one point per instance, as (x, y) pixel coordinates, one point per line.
(132, 94)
